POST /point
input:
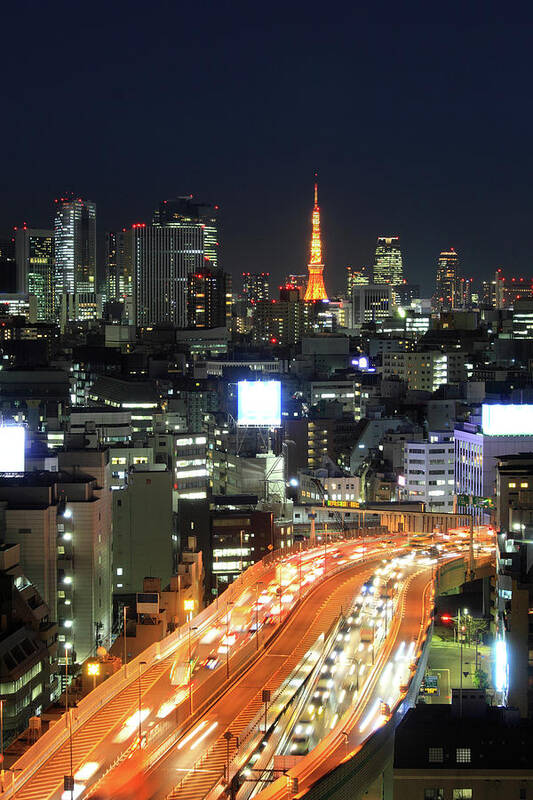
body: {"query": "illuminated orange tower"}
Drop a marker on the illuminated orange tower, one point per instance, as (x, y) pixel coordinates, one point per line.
(315, 284)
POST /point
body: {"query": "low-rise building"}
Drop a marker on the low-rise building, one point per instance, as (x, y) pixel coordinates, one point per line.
(429, 471)
(481, 755)
(427, 370)
(28, 644)
(143, 528)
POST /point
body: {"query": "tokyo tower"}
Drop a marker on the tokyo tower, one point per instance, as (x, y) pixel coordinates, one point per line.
(315, 284)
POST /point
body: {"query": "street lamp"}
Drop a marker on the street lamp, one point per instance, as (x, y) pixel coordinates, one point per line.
(68, 646)
(280, 589)
(141, 664)
(300, 572)
(124, 624)
(228, 604)
(257, 585)
(93, 669)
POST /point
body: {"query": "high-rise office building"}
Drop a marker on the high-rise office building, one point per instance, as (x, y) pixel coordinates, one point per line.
(297, 282)
(187, 212)
(407, 294)
(255, 286)
(315, 284)
(75, 245)
(356, 276)
(447, 284)
(371, 303)
(209, 298)
(118, 283)
(283, 321)
(388, 265)
(36, 270)
(8, 264)
(160, 260)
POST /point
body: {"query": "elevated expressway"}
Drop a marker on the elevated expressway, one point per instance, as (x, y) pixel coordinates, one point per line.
(152, 732)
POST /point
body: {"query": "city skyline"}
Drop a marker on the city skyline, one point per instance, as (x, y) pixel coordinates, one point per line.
(427, 180)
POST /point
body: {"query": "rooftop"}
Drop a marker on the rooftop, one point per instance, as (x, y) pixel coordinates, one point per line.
(435, 737)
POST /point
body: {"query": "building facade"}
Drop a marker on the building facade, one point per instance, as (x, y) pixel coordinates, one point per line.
(142, 529)
(356, 276)
(429, 471)
(426, 371)
(447, 281)
(118, 279)
(476, 457)
(255, 286)
(388, 264)
(209, 298)
(371, 303)
(8, 264)
(36, 269)
(186, 212)
(75, 245)
(160, 259)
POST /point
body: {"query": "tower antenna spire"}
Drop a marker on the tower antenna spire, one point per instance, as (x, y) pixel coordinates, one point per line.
(315, 283)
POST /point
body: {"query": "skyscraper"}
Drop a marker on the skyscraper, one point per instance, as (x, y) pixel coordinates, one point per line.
(36, 270)
(255, 286)
(75, 245)
(208, 298)
(315, 284)
(297, 282)
(447, 281)
(388, 267)
(8, 264)
(185, 211)
(356, 276)
(160, 259)
(118, 284)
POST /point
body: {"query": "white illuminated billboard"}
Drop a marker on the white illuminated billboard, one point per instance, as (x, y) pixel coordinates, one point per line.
(12, 438)
(259, 404)
(507, 420)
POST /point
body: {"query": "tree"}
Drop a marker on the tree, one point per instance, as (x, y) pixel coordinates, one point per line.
(480, 679)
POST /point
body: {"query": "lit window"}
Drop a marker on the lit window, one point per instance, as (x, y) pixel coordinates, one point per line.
(436, 755)
(512, 485)
(120, 585)
(462, 794)
(462, 755)
(524, 485)
(119, 570)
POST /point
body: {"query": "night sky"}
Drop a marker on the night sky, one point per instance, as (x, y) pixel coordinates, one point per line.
(418, 130)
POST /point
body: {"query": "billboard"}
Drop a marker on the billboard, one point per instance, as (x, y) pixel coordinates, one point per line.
(507, 420)
(259, 404)
(12, 441)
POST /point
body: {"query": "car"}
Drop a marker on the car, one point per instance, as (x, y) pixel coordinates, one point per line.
(300, 745)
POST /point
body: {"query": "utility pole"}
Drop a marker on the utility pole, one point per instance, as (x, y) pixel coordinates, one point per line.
(141, 664)
(124, 633)
(472, 566)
